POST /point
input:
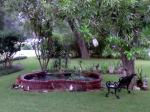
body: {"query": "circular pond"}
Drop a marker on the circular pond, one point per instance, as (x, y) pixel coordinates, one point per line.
(41, 81)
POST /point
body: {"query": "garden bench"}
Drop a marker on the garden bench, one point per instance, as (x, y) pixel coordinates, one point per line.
(123, 82)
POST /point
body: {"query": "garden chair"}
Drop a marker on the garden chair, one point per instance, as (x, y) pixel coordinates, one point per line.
(123, 82)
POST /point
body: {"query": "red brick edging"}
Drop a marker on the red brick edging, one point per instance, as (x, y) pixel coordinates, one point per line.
(59, 84)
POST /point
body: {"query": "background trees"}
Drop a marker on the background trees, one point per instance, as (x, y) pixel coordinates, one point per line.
(120, 25)
(10, 41)
(38, 16)
(68, 10)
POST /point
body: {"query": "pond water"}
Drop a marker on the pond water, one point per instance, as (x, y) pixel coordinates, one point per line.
(67, 76)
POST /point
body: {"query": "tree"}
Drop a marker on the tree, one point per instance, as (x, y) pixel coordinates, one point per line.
(39, 17)
(120, 21)
(68, 10)
(127, 20)
(42, 26)
(82, 16)
(2, 14)
(10, 43)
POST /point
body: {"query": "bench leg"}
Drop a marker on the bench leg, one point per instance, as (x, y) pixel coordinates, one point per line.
(128, 89)
(107, 94)
(119, 89)
(117, 96)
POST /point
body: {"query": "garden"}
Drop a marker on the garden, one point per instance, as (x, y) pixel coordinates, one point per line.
(95, 101)
(80, 55)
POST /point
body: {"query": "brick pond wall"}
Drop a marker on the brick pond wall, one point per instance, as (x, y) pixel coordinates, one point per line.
(59, 84)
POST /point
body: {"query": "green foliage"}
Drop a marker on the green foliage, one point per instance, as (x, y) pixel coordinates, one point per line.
(79, 11)
(86, 32)
(60, 38)
(140, 73)
(110, 53)
(104, 68)
(37, 14)
(118, 43)
(144, 55)
(146, 33)
(131, 51)
(122, 23)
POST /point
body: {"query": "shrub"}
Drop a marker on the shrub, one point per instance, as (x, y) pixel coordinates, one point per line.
(10, 70)
(26, 47)
(10, 43)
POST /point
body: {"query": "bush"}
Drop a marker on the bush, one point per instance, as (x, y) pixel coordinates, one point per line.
(9, 70)
(10, 43)
(26, 47)
(20, 58)
(16, 58)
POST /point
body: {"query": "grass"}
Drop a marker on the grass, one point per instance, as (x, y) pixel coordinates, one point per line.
(18, 101)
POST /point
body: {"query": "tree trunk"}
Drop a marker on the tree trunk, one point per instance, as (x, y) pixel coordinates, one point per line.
(80, 41)
(1, 19)
(42, 54)
(128, 65)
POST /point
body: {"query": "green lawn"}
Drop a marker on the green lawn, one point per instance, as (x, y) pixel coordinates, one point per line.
(17, 101)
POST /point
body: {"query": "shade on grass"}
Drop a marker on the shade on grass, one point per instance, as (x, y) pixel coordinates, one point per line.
(17, 101)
